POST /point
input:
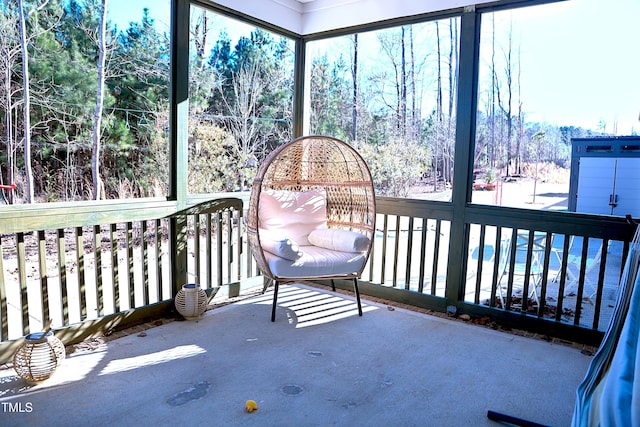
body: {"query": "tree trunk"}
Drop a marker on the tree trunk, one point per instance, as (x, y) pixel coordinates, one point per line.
(403, 93)
(438, 124)
(415, 122)
(97, 118)
(453, 65)
(26, 108)
(9, 126)
(520, 120)
(354, 75)
(492, 144)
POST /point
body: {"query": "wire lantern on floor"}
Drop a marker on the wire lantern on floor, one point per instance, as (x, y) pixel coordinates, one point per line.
(191, 301)
(38, 356)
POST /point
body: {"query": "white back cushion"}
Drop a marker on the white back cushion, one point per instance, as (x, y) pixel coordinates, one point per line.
(293, 215)
(339, 240)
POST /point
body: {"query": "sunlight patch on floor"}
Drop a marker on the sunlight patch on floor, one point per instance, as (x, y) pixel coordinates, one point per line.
(180, 352)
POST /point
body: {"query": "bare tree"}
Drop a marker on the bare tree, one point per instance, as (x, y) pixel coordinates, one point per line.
(415, 118)
(520, 135)
(506, 106)
(453, 65)
(248, 87)
(26, 107)
(390, 43)
(438, 124)
(200, 32)
(492, 145)
(9, 54)
(403, 82)
(97, 118)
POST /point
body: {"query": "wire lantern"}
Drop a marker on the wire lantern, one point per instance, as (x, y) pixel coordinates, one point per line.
(38, 356)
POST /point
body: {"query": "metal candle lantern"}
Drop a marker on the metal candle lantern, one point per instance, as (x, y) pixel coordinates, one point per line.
(191, 301)
(38, 356)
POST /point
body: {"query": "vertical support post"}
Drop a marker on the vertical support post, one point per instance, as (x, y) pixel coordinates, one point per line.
(178, 251)
(179, 102)
(300, 90)
(178, 131)
(464, 148)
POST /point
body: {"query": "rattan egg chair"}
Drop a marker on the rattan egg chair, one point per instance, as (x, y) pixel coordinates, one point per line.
(312, 198)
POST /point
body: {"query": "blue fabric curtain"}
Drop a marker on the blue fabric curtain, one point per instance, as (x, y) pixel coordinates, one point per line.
(609, 395)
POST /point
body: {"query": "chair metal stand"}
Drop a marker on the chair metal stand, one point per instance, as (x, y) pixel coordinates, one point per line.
(356, 292)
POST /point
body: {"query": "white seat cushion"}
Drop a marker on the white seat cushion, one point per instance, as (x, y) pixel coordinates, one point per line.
(316, 262)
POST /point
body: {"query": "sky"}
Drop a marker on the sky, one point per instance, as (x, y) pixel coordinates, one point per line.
(580, 59)
(121, 12)
(582, 62)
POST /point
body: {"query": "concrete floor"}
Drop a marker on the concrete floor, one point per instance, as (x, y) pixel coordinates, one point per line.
(319, 364)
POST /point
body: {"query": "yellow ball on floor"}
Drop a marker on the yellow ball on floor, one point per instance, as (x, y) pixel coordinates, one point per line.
(251, 406)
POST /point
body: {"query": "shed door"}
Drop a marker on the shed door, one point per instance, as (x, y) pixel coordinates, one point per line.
(627, 187)
(595, 185)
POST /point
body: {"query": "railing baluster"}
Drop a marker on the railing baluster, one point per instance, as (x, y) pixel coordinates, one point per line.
(158, 258)
(196, 247)
(62, 273)
(218, 223)
(582, 268)
(600, 287)
(145, 262)
(497, 258)
(480, 263)
(527, 270)
(385, 236)
(208, 253)
(436, 257)
(166, 265)
(22, 280)
(512, 263)
(80, 268)
(545, 277)
(396, 250)
(423, 252)
(130, 285)
(97, 270)
(4, 319)
(115, 279)
(562, 275)
(238, 217)
(229, 245)
(44, 277)
(407, 273)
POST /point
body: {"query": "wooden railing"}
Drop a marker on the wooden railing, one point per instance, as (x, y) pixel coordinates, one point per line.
(85, 262)
(570, 281)
(75, 263)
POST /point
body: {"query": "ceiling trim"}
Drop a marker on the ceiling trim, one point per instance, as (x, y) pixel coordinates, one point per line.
(314, 17)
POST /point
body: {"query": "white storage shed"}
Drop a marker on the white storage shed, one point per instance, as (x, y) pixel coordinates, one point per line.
(605, 176)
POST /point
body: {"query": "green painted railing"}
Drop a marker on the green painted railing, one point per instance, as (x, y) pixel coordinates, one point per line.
(562, 280)
(81, 263)
(75, 263)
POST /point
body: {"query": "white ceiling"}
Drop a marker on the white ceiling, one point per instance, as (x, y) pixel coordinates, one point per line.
(314, 16)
